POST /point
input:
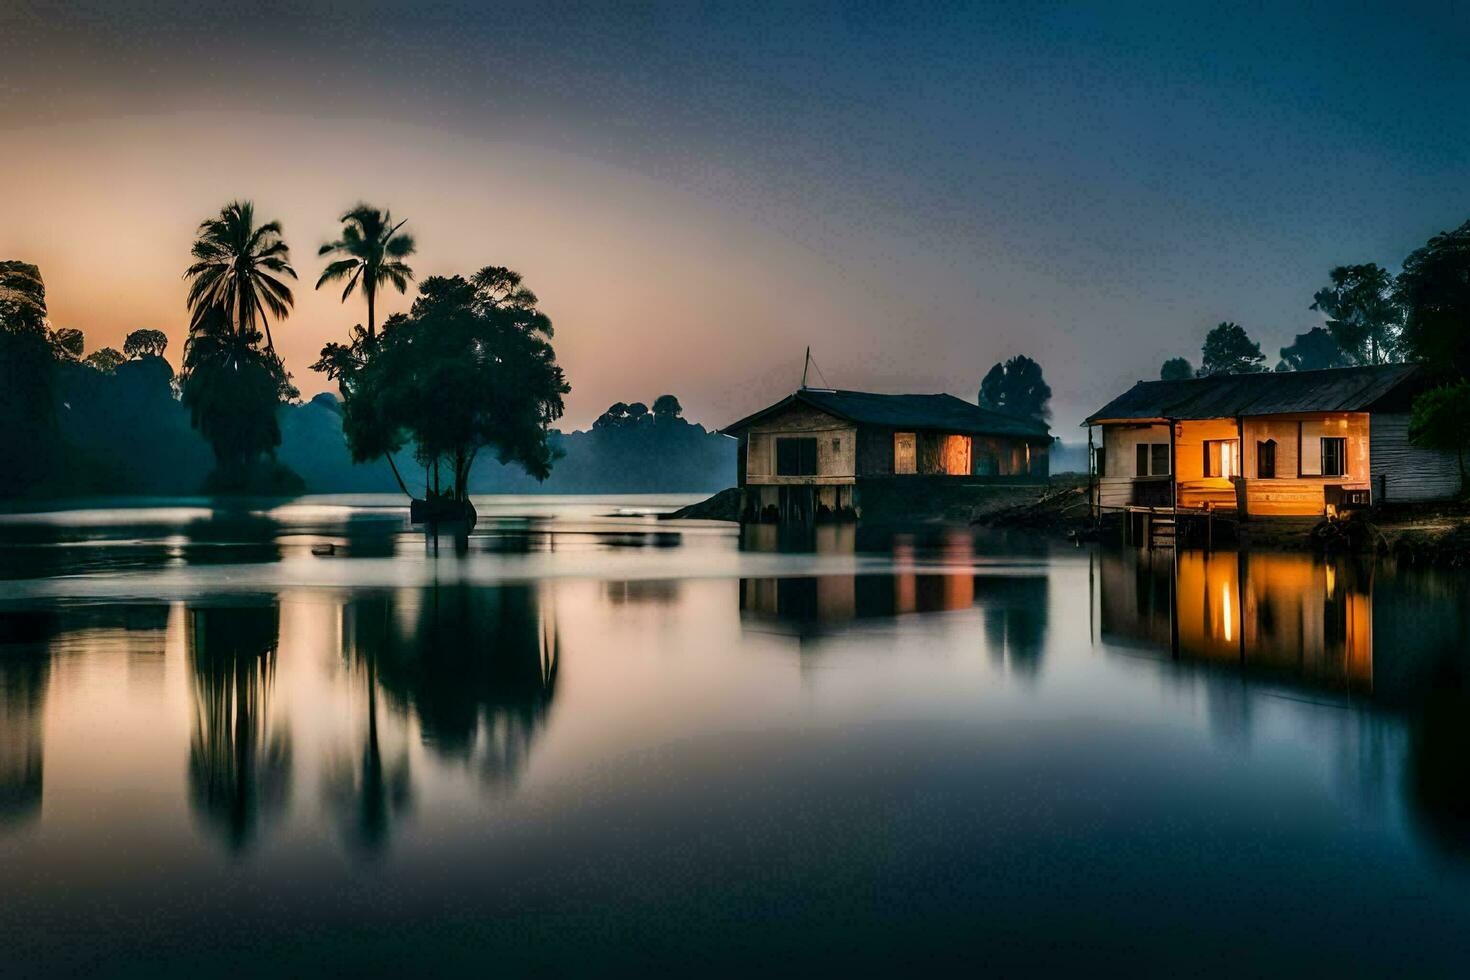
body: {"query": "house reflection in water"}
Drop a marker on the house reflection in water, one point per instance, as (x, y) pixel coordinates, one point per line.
(933, 573)
(1294, 615)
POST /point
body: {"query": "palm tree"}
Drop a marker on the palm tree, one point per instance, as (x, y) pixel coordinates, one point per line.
(238, 270)
(373, 251)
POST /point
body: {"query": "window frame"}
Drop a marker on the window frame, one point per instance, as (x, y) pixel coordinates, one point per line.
(1340, 445)
(805, 450)
(1265, 448)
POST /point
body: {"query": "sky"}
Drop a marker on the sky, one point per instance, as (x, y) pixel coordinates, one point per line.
(699, 191)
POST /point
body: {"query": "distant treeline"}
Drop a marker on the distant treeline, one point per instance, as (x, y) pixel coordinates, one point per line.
(111, 422)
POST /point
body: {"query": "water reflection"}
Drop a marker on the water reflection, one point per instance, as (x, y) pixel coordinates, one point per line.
(1388, 640)
(478, 668)
(1291, 615)
(25, 670)
(370, 792)
(239, 751)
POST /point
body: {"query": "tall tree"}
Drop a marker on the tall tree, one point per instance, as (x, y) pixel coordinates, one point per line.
(1176, 369)
(1018, 388)
(1434, 287)
(470, 367)
(373, 249)
(231, 386)
(1312, 351)
(1228, 349)
(1363, 314)
(239, 269)
(28, 438)
(104, 359)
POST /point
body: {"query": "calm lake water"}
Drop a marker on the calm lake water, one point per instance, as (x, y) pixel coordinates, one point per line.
(594, 742)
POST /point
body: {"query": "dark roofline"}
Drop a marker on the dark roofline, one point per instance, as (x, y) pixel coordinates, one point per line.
(800, 395)
(1168, 405)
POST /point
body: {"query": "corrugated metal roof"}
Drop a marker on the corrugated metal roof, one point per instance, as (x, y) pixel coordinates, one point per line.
(1354, 389)
(931, 412)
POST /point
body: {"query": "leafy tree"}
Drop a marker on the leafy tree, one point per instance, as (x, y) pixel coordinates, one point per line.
(105, 360)
(1228, 349)
(1176, 369)
(667, 407)
(1312, 351)
(636, 411)
(1441, 420)
(1434, 287)
(22, 298)
(470, 367)
(27, 379)
(373, 250)
(145, 343)
(232, 388)
(1363, 314)
(239, 270)
(1017, 387)
(230, 384)
(68, 343)
(615, 416)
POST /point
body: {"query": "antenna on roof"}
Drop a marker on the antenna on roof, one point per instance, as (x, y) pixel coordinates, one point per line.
(806, 366)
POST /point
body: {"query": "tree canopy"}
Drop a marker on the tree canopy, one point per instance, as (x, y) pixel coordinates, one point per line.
(1363, 313)
(105, 359)
(1176, 369)
(372, 250)
(1228, 349)
(470, 367)
(1018, 388)
(240, 269)
(1312, 351)
(145, 343)
(1434, 287)
(667, 407)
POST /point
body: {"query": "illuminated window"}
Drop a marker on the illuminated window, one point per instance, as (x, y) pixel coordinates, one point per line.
(905, 452)
(1222, 458)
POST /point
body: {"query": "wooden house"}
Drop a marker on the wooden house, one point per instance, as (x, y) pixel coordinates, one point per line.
(1289, 444)
(813, 453)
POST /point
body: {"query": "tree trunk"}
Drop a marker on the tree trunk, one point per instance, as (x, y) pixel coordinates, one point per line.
(371, 297)
(401, 485)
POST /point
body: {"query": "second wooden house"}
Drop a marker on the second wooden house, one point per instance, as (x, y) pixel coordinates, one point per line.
(813, 453)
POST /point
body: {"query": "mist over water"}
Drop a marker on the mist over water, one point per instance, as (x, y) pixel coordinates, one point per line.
(588, 740)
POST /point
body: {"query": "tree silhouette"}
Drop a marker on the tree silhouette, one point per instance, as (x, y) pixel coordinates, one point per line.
(239, 271)
(1312, 351)
(373, 250)
(1018, 388)
(1363, 314)
(667, 407)
(68, 343)
(105, 359)
(1176, 369)
(1434, 287)
(470, 367)
(1228, 349)
(145, 343)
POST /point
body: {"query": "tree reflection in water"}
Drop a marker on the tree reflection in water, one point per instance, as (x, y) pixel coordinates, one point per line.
(25, 672)
(239, 758)
(368, 795)
(478, 668)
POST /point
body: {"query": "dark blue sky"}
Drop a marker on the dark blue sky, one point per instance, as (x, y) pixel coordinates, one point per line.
(916, 190)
